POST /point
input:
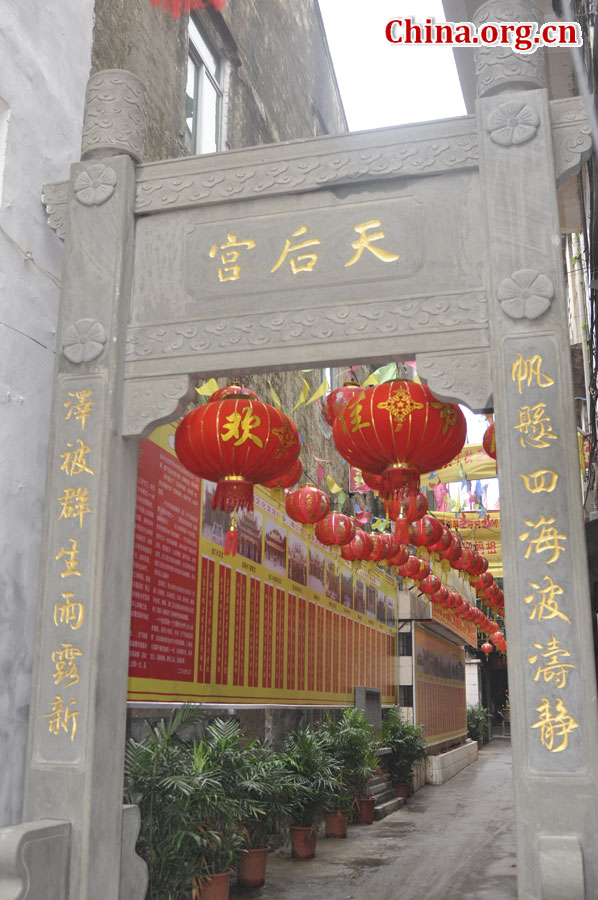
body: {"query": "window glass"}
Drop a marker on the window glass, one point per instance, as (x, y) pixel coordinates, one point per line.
(203, 99)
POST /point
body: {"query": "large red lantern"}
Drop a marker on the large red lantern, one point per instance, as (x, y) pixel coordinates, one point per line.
(371, 480)
(489, 441)
(484, 581)
(335, 529)
(307, 505)
(359, 547)
(236, 441)
(338, 398)
(443, 542)
(487, 648)
(399, 430)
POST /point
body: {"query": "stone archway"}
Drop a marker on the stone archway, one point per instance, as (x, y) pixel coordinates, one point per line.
(438, 236)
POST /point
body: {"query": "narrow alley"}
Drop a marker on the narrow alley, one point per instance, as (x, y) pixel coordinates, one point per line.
(450, 842)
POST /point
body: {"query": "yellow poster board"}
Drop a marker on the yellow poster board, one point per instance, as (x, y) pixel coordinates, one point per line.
(285, 621)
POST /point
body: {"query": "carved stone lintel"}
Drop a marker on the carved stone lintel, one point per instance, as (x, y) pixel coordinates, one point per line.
(561, 867)
(133, 870)
(458, 377)
(571, 136)
(34, 860)
(55, 199)
(501, 68)
(115, 106)
(149, 402)
(294, 327)
(309, 166)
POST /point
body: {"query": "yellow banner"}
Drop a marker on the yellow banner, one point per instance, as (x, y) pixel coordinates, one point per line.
(481, 531)
(472, 463)
(284, 621)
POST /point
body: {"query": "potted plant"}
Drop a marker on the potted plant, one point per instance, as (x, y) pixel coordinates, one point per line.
(160, 779)
(477, 722)
(351, 743)
(407, 746)
(313, 778)
(264, 782)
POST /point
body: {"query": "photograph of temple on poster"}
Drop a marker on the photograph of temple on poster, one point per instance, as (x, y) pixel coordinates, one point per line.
(284, 621)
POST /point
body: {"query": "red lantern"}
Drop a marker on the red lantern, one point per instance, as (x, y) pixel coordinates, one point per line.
(487, 648)
(465, 560)
(236, 441)
(430, 584)
(335, 529)
(400, 557)
(426, 531)
(338, 398)
(484, 581)
(411, 568)
(480, 566)
(184, 7)
(453, 553)
(441, 595)
(489, 441)
(308, 504)
(399, 430)
(288, 479)
(231, 390)
(381, 548)
(359, 547)
(443, 543)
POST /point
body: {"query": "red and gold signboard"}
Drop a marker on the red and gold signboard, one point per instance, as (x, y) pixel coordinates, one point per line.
(439, 686)
(284, 621)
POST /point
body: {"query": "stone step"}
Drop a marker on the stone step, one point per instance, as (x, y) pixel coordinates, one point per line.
(380, 787)
(386, 795)
(385, 809)
(376, 781)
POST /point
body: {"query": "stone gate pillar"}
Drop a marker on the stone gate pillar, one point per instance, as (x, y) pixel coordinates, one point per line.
(551, 663)
(78, 707)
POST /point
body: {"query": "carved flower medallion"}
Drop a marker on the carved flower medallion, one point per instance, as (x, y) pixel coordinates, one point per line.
(84, 341)
(95, 184)
(525, 294)
(511, 123)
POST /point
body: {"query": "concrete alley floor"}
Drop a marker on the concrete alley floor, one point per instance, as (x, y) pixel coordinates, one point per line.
(450, 842)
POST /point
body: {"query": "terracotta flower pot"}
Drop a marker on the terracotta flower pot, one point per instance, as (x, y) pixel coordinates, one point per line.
(252, 867)
(215, 888)
(364, 810)
(403, 789)
(336, 824)
(303, 842)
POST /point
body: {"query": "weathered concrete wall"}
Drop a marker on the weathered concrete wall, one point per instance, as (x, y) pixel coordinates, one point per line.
(284, 88)
(44, 65)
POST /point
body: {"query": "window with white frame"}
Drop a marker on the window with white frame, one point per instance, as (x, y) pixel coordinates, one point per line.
(204, 95)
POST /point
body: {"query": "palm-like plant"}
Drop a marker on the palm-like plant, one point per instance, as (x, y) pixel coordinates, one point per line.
(351, 742)
(160, 778)
(407, 744)
(313, 776)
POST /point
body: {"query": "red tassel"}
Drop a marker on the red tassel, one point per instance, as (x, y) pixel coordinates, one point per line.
(231, 541)
(176, 7)
(402, 530)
